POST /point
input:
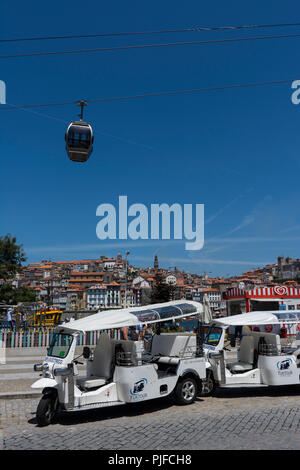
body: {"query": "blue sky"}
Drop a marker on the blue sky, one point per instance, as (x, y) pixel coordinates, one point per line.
(236, 151)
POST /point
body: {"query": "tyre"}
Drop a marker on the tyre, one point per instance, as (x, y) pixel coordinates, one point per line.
(208, 386)
(186, 391)
(46, 410)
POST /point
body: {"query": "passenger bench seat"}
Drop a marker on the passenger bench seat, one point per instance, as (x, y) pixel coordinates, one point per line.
(246, 356)
(101, 364)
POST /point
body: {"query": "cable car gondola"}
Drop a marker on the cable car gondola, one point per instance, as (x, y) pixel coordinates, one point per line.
(79, 138)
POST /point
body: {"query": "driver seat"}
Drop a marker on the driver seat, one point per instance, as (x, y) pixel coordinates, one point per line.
(246, 358)
(101, 365)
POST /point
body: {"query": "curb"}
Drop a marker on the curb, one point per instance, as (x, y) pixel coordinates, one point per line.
(18, 395)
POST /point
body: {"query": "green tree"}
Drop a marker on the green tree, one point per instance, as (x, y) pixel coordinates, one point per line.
(161, 292)
(11, 295)
(11, 257)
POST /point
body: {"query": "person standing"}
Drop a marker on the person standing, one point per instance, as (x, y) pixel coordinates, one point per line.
(133, 333)
(140, 332)
(124, 333)
(9, 317)
(148, 332)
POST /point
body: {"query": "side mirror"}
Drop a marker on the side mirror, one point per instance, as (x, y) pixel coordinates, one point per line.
(86, 352)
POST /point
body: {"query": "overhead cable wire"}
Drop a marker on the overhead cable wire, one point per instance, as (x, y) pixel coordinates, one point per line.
(155, 94)
(147, 46)
(127, 141)
(162, 31)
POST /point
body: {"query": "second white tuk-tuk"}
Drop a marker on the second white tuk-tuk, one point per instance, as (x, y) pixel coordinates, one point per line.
(263, 359)
(121, 371)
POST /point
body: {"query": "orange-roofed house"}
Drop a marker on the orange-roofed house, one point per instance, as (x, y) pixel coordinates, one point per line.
(87, 278)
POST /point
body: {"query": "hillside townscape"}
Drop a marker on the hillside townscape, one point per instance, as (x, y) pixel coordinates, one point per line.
(103, 283)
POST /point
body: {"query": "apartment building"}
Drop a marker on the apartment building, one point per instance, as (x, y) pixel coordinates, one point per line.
(214, 295)
(104, 295)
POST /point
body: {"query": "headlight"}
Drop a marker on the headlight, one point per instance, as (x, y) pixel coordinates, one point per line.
(38, 367)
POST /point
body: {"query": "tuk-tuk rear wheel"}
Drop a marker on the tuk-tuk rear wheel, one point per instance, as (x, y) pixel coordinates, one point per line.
(46, 410)
(186, 391)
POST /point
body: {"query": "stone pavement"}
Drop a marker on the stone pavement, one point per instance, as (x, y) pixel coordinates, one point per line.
(260, 418)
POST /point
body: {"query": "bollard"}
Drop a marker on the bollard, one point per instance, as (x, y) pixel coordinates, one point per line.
(2, 352)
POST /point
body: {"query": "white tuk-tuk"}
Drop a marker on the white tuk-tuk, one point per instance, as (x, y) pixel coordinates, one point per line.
(262, 358)
(121, 371)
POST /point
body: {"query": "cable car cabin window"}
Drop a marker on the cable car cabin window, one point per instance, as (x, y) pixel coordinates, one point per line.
(79, 137)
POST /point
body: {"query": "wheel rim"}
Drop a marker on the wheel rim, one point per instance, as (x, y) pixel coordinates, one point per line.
(207, 385)
(188, 390)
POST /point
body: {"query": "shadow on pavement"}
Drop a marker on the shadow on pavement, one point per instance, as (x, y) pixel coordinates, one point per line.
(114, 412)
(239, 392)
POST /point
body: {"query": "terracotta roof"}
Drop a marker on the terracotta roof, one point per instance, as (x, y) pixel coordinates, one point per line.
(209, 290)
(84, 261)
(86, 273)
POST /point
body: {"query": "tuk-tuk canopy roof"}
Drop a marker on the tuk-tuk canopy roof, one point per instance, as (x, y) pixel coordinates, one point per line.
(137, 315)
(261, 318)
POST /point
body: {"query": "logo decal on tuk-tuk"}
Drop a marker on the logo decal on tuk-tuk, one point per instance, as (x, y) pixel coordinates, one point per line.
(283, 367)
(285, 364)
(138, 387)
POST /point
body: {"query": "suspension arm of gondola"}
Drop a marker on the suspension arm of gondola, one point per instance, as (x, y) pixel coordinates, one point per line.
(82, 103)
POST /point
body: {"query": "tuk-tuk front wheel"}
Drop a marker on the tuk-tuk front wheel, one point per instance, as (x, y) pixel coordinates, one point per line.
(46, 410)
(186, 391)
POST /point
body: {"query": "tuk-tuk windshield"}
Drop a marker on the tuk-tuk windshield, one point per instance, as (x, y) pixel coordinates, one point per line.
(60, 345)
(212, 335)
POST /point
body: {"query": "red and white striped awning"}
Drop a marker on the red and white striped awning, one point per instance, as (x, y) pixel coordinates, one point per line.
(275, 293)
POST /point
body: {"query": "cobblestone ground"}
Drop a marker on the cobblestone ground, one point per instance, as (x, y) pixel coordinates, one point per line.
(233, 419)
